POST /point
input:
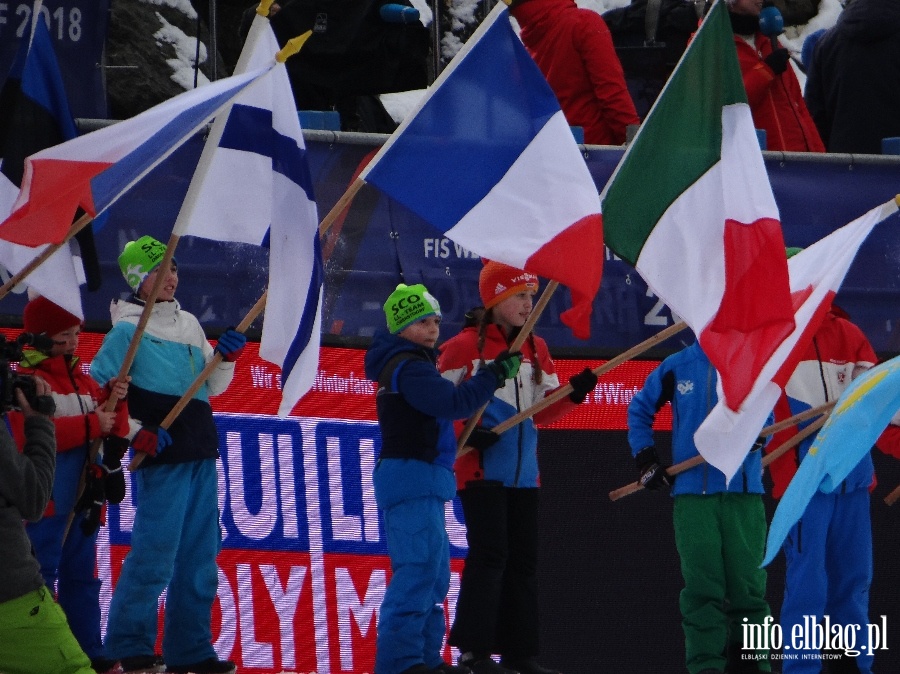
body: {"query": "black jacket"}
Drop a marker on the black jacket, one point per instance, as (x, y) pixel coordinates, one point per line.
(852, 90)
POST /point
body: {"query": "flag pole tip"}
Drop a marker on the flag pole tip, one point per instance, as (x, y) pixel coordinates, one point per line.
(292, 47)
(264, 6)
(897, 200)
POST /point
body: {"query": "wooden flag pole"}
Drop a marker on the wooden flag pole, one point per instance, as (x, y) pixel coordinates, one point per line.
(16, 278)
(514, 347)
(563, 391)
(251, 316)
(341, 204)
(891, 498)
(694, 461)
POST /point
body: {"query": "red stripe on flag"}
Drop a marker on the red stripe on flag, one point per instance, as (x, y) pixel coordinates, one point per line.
(755, 314)
(574, 257)
(809, 330)
(57, 188)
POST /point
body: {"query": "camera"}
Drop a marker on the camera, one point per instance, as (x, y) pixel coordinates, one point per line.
(11, 352)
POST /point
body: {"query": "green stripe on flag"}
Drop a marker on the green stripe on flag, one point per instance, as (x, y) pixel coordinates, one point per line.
(680, 139)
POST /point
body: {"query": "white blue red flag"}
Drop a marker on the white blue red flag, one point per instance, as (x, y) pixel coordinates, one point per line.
(489, 159)
(92, 171)
(253, 185)
(816, 274)
(861, 414)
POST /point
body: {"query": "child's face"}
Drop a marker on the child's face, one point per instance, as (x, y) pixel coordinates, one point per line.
(513, 311)
(65, 342)
(169, 286)
(424, 332)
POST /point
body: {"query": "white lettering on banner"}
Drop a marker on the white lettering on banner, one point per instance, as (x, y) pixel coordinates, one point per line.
(316, 551)
(462, 252)
(361, 612)
(344, 527)
(263, 377)
(257, 526)
(286, 486)
(285, 599)
(335, 383)
(254, 653)
(225, 593)
(370, 508)
(456, 530)
(4, 8)
(612, 393)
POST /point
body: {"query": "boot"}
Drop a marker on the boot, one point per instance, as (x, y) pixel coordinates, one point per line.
(528, 665)
(481, 663)
(445, 668)
(142, 664)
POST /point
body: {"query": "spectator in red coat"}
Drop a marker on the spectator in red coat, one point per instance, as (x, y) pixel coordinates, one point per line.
(773, 91)
(574, 49)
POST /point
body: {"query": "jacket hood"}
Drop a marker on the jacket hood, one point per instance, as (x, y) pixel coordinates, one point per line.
(384, 347)
(869, 21)
(536, 16)
(132, 308)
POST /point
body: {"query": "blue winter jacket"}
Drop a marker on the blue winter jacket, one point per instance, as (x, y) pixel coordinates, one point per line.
(417, 406)
(688, 380)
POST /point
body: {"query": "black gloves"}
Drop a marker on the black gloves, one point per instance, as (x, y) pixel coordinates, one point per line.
(758, 444)
(92, 499)
(114, 482)
(778, 60)
(582, 384)
(653, 474)
(505, 366)
(482, 438)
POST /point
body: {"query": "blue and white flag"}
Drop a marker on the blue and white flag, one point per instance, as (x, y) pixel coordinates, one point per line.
(253, 185)
(861, 414)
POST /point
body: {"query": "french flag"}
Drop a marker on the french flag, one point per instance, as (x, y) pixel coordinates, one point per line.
(253, 185)
(489, 160)
(92, 171)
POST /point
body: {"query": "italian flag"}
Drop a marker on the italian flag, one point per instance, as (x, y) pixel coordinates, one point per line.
(690, 206)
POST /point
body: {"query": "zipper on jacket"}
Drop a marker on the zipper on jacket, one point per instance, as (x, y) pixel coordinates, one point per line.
(520, 438)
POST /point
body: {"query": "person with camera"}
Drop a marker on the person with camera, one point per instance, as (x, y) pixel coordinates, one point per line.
(35, 637)
(65, 539)
(176, 537)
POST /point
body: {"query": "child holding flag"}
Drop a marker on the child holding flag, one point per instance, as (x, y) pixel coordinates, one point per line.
(414, 475)
(497, 610)
(176, 536)
(720, 529)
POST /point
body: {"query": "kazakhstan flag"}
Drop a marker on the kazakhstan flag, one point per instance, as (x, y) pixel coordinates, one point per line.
(862, 412)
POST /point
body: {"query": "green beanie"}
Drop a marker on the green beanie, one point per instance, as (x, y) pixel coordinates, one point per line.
(791, 251)
(139, 258)
(408, 304)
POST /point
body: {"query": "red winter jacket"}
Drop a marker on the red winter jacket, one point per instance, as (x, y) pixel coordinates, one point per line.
(776, 100)
(574, 50)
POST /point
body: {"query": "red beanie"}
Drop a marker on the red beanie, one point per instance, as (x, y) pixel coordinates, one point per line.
(499, 281)
(42, 315)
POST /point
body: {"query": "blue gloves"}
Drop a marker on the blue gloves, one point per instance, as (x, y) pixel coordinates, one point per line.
(231, 343)
(151, 440)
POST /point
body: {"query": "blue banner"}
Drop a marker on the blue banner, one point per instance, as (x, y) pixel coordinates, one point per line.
(78, 29)
(377, 243)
